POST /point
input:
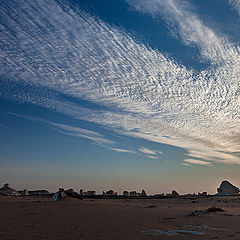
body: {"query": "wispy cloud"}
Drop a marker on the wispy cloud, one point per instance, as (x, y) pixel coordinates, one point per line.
(186, 164)
(122, 150)
(235, 4)
(149, 151)
(198, 162)
(153, 154)
(147, 94)
(78, 132)
(189, 27)
(70, 130)
(146, 150)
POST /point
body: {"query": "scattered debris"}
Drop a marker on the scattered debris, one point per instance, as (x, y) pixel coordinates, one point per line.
(196, 213)
(169, 218)
(209, 210)
(214, 209)
(230, 215)
(152, 206)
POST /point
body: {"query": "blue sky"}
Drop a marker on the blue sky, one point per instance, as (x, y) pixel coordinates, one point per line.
(122, 95)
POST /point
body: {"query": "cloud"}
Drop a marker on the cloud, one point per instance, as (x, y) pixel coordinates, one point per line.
(235, 4)
(70, 130)
(146, 150)
(122, 150)
(153, 154)
(198, 162)
(186, 164)
(55, 51)
(184, 23)
(78, 132)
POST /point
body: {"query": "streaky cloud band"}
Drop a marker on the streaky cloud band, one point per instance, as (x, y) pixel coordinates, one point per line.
(54, 47)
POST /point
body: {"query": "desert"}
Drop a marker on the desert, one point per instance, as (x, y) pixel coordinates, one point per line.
(119, 120)
(26, 217)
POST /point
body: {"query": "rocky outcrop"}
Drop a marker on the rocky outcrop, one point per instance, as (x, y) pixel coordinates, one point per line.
(38, 193)
(110, 193)
(133, 193)
(143, 193)
(159, 195)
(125, 193)
(81, 192)
(8, 191)
(71, 193)
(62, 194)
(90, 193)
(25, 192)
(227, 189)
(175, 193)
(58, 195)
(203, 194)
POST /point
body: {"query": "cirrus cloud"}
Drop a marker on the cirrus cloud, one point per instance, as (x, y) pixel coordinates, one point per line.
(198, 162)
(144, 94)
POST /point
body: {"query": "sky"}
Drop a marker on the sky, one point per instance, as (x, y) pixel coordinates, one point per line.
(122, 95)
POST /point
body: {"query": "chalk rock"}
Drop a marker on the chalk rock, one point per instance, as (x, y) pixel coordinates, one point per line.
(110, 193)
(143, 193)
(81, 192)
(133, 193)
(175, 193)
(8, 191)
(90, 193)
(25, 192)
(125, 193)
(71, 193)
(226, 188)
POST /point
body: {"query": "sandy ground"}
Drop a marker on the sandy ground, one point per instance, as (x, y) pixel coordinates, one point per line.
(36, 218)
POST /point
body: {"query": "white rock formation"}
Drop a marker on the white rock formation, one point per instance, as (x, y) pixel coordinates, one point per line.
(143, 193)
(175, 193)
(133, 193)
(125, 193)
(110, 193)
(8, 191)
(226, 189)
(25, 192)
